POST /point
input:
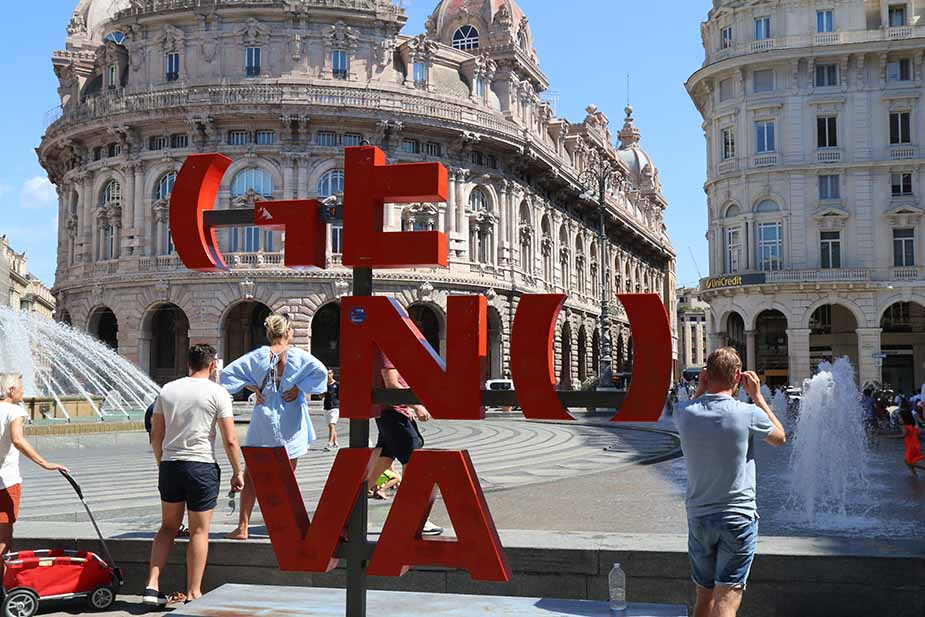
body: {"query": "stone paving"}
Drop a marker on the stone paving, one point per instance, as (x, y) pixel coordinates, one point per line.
(119, 476)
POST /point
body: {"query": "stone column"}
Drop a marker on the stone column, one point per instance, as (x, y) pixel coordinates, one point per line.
(88, 220)
(128, 209)
(751, 355)
(141, 234)
(451, 205)
(870, 368)
(301, 170)
(798, 349)
(289, 174)
(462, 221)
(686, 351)
(503, 221)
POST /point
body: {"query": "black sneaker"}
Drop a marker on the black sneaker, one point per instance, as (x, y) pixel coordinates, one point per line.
(153, 597)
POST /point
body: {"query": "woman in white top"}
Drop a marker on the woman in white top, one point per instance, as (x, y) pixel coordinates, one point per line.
(12, 442)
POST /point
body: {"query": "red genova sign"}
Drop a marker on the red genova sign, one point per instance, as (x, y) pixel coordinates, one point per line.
(451, 389)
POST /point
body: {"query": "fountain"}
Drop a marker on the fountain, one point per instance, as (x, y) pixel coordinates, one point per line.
(780, 408)
(830, 454)
(67, 374)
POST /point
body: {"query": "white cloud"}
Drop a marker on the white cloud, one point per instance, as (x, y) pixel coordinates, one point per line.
(38, 192)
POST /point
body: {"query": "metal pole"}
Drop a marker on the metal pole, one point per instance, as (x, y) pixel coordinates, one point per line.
(605, 361)
(359, 518)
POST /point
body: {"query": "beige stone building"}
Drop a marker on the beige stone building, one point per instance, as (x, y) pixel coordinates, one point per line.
(18, 288)
(693, 318)
(281, 86)
(814, 127)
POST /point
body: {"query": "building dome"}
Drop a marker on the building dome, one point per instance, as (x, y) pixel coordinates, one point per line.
(90, 16)
(640, 164)
(495, 22)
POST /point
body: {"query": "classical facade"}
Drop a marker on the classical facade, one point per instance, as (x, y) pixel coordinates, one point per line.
(693, 321)
(281, 87)
(19, 289)
(813, 120)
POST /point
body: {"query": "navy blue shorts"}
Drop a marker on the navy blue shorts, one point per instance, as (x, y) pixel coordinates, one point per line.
(398, 436)
(192, 483)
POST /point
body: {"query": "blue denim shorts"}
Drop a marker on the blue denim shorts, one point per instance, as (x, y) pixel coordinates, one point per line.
(721, 548)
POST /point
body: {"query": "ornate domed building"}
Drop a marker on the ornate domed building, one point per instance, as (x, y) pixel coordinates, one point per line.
(281, 87)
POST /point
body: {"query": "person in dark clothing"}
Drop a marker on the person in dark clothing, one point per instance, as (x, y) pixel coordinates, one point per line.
(332, 411)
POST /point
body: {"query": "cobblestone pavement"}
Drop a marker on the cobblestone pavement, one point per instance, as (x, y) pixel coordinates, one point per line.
(119, 477)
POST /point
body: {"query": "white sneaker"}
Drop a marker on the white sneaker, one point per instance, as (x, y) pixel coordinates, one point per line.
(431, 530)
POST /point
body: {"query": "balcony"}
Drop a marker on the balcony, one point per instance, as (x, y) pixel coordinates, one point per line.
(727, 166)
(817, 39)
(900, 32)
(252, 71)
(828, 155)
(900, 152)
(827, 38)
(173, 76)
(765, 159)
(907, 274)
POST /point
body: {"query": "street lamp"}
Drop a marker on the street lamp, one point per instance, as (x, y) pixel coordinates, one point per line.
(598, 173)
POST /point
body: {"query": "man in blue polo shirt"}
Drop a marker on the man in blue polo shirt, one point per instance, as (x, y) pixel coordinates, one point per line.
(722, 515)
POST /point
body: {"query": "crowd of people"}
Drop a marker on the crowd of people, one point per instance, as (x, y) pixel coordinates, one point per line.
(281, 377)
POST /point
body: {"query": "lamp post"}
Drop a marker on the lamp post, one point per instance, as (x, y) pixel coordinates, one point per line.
(597, 175)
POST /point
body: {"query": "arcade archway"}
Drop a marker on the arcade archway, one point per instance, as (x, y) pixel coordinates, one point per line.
(903, 342)
(832, 334)
(428, 321)
(582, 354)
(165, 333)
(735, 337)
(326, 335)
(105, 327)
(495, 353)
(565, 371)
(772, 356)
(243, 329)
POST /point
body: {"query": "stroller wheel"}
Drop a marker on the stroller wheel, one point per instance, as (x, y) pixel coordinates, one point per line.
(20, 603)
(102, 598)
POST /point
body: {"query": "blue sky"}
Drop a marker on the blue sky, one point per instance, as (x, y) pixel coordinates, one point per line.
(586, 48)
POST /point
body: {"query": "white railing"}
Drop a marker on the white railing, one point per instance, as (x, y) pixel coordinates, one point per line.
(827, 38)
(902, 152)
(726, 167)
(762, 45)
(254, 260)
(160, 263)
(103, 268)
(822, 275)
(907, 274)
(814, 39)
(828, 156)
(764, 160)
(900, 32)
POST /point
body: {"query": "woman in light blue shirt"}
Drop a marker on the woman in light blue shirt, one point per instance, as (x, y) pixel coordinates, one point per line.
(281, 375)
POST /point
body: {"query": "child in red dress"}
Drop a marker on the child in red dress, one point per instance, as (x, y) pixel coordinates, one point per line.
(914, 458)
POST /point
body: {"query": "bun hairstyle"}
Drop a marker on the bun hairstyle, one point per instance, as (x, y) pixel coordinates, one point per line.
(277, 326)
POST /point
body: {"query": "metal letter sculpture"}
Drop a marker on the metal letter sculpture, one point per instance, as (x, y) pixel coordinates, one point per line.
(373, 326)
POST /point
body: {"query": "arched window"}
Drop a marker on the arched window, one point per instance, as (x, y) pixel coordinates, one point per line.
(252, 179)
(546, 246)
(466, 37)
(331, 183)
(478, 201)
(733, 211)
(164, 186)
(112, 193)
(564, 260)
(580, 264)
(162, 191)
(766, 206)
(251, 182)
(526, 240)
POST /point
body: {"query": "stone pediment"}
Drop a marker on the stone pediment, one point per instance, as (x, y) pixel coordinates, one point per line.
(905, 214)
(831, 217)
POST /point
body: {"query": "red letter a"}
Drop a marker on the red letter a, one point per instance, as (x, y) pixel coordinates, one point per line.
(478, 549)
(299, 544)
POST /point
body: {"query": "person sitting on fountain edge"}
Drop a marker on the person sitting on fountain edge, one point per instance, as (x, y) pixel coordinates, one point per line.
(716, 437)
(914, 458)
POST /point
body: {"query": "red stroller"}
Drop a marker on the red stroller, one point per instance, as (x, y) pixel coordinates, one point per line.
(59, 575)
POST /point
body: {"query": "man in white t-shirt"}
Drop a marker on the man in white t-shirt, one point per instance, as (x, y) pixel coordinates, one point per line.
(12, 442)
(183, 430)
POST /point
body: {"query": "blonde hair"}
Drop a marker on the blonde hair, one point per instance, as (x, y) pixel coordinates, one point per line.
(722, 366)
(7, 381)
(277, 326)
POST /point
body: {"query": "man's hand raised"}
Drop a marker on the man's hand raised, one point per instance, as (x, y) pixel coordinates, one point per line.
(752, 385)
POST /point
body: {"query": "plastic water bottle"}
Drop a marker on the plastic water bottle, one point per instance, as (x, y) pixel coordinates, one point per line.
(617, 585)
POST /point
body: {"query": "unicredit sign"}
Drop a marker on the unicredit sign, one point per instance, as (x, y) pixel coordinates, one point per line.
(450, 389)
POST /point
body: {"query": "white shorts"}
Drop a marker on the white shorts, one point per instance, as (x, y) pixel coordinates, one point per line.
(333, 415)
